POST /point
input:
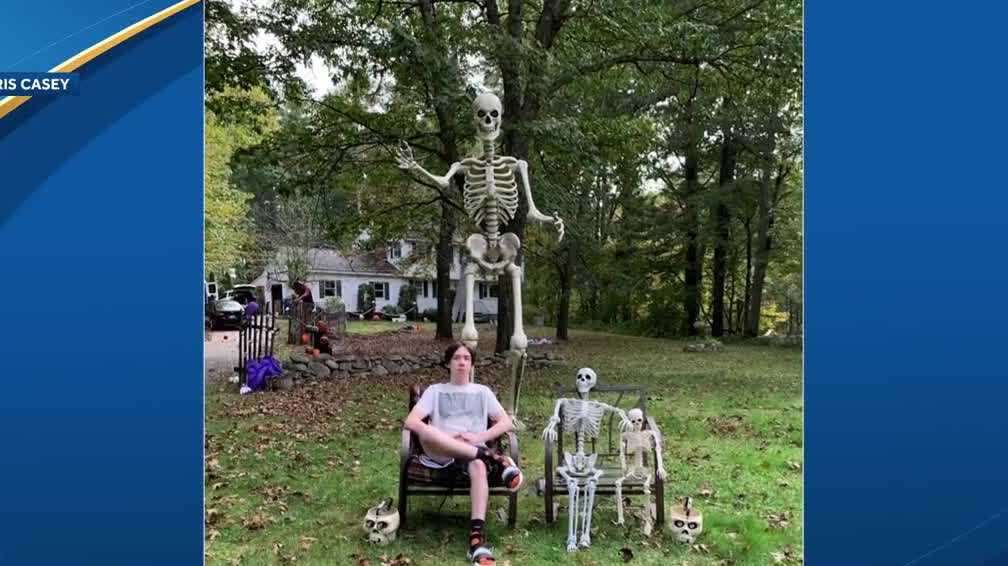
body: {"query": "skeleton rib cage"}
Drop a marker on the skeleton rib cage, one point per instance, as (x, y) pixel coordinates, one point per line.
(490, 193)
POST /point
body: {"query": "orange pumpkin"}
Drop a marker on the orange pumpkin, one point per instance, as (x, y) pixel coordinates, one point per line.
(315, 352)
(305, 338)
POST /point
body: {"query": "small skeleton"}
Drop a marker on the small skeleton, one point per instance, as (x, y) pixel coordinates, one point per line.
(490, 194)
(685, 521)
(635, 443)
(381, 523)
(582, 417)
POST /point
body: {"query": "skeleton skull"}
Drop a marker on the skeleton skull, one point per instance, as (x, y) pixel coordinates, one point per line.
(381, 523)
(586, 379)
(686, 522)
(636, 417)
(487, 113)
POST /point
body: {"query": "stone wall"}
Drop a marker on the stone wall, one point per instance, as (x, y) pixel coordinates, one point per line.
(300, 365)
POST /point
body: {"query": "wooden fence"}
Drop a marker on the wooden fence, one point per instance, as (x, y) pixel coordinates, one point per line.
(255, 340)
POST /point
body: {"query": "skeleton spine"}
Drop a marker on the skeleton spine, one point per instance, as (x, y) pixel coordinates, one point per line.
(491, 220)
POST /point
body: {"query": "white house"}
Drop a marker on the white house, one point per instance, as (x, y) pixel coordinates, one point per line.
(388, 269)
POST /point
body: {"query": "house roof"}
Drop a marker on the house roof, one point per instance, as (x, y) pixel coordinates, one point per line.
(370, 262)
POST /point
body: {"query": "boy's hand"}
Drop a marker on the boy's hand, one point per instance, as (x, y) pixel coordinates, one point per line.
(470, 437)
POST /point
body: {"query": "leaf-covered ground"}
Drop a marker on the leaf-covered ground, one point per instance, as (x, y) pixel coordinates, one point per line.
(289, 475)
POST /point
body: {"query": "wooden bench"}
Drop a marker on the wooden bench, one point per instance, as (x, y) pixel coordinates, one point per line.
(624, 397)
(411, 484)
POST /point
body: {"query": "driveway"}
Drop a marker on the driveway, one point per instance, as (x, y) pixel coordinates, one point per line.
(220, 354)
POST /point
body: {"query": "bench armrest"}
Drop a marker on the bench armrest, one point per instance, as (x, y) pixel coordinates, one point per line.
(405, 451)
(513, 446)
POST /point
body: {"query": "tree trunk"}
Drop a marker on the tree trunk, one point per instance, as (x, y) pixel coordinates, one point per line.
(693, 271)
(566, 273)
(764, 221)
(449, 145)
(744, 314)
(443, 264)
(722, 235)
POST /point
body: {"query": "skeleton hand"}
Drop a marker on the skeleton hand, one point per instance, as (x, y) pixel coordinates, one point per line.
(549, 434)
(404, 157)
(661, 473)
(559, 223)
(625, 424)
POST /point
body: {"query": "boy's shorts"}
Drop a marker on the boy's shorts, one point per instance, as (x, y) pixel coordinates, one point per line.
(455, 474)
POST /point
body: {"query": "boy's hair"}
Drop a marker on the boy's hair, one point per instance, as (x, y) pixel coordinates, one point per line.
(450, 352)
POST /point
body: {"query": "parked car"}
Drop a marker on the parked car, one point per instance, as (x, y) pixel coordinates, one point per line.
(225, 312)
(241, 293)
(481, 313)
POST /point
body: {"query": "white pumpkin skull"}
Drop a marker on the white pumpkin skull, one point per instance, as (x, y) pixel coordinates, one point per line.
(585, 380)
(685, 521)
(487, 112)
(381, 523)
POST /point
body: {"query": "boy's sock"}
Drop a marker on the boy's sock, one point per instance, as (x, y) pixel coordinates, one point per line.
(476, 538)
(478, 552)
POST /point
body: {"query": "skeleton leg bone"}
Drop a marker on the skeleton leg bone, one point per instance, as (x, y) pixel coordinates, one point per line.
(572, 509)
(519, 341)
(589, 504)
(619, 500)
(469, 335)
(518, 360)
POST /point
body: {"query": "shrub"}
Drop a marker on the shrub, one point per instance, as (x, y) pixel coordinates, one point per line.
(333, 304)
(407, 301)
(365, 298)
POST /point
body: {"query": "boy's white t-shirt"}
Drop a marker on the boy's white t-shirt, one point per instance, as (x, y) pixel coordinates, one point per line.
(460, 408)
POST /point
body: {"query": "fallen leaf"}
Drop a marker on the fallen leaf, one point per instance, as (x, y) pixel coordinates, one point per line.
(255, 522)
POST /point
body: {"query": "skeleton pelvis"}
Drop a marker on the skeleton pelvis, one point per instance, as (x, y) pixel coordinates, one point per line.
(580, 462)
(496, 257)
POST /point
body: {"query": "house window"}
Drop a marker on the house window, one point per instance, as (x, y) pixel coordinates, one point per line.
(381, 290)
(482, 289)
(425, 286)
(395, 250)
(434, 286)
(493, 291)
(330, 288)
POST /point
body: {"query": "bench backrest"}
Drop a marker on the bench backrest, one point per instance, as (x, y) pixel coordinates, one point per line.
(623, 397)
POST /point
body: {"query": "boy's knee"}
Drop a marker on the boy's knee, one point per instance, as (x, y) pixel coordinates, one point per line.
(477, 468)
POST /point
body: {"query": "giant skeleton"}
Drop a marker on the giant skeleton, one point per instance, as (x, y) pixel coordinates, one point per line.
(490, 194)
(583, 418)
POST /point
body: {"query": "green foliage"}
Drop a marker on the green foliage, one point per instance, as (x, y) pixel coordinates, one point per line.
(365, 298)
(607, 103)
(391, 310)
(333, 304)
(407, 301)
(227, 233)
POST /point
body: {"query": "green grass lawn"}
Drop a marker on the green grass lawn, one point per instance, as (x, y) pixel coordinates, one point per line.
(290, 475)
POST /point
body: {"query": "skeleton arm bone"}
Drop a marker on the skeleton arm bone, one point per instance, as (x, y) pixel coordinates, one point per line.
(533, 212)
(622, 453)
(405, 161)
(658, 455)
(549, 433)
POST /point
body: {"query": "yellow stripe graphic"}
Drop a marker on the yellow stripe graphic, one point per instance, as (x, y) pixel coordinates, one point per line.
(72, 64)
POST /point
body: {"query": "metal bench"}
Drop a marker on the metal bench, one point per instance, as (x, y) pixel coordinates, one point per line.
(625, 397)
